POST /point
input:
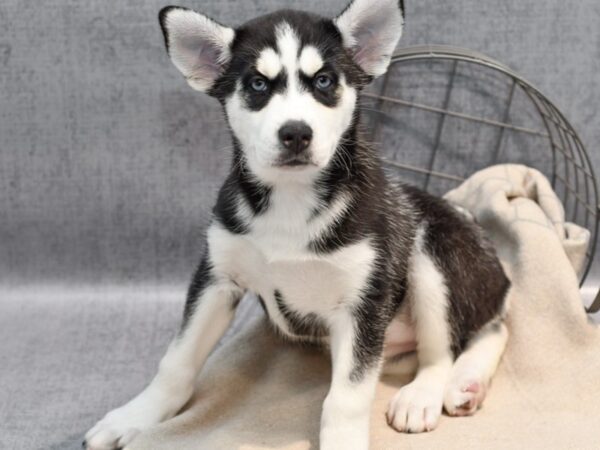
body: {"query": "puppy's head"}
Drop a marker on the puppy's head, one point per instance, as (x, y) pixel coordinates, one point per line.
(288, 80)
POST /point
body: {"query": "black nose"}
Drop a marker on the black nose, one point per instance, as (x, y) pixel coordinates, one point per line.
(295, 136)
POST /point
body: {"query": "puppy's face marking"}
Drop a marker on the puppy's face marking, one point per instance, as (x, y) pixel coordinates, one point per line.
(289, 82)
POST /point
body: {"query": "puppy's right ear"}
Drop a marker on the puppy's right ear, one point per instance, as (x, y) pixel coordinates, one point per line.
(198, 46)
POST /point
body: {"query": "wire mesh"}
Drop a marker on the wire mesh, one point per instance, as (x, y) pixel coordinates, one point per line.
(461, 111)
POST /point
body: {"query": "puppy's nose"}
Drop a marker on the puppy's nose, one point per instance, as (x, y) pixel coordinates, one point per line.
(295, 136)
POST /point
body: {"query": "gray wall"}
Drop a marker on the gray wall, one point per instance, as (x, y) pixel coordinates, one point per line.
(109, 163)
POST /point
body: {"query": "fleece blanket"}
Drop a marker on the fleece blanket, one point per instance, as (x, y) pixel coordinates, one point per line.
(257, 392)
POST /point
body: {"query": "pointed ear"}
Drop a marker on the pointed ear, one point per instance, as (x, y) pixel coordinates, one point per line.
(198, 46)
(371, 29)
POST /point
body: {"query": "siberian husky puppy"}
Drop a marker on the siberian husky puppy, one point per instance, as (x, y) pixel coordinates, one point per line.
(337, 254)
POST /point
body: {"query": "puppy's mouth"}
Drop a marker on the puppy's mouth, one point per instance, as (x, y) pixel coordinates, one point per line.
(296, 162)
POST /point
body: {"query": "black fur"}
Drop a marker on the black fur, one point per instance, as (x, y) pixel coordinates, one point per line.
(263, 305)
(240, 182)
(474, 278)
(309, 327)
(255, 101)
(162, 18)
(329, 97)
(201, 280)
(351, 172)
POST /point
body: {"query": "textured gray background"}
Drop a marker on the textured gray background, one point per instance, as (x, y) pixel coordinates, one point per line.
(109, 164)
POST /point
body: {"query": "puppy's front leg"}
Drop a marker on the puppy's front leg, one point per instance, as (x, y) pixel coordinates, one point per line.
(356, 361)
(209, 309)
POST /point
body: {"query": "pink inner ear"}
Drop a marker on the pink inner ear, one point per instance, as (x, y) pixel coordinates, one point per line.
(367, 50)
(373, 37)
(208, 61)
(204, 56)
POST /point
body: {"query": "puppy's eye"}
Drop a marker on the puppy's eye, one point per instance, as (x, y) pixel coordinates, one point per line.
(259, 84)
(323, 82)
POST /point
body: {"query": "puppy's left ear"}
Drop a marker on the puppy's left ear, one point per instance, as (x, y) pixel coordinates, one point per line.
(371, 29)
(198, 46)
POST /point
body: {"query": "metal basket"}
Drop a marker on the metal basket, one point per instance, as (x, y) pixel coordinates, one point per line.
(461, 111)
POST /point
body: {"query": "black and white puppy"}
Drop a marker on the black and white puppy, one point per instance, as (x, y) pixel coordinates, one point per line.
(308, 222)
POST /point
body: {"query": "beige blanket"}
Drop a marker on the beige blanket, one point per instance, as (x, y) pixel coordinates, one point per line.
(259, 393)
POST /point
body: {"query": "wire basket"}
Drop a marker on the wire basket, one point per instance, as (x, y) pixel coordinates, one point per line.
(461, 111)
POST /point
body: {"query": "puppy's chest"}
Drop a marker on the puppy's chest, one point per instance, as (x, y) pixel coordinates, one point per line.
(299, 288)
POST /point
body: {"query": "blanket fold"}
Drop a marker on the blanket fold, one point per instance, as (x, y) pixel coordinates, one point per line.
(257, 392)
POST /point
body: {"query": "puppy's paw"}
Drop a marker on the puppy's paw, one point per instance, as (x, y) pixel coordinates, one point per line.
(118, 428)
(464, 396)
(415, 408)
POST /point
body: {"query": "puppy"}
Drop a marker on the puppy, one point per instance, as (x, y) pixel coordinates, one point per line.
(306, 220)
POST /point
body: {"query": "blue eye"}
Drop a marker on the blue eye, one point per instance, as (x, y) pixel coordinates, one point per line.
(258, 84)
(323, 82)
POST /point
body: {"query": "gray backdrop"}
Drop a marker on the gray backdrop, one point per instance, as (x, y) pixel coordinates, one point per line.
(109, 165)
(109, 162)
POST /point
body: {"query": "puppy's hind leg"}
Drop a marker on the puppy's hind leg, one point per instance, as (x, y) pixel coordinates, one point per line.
(473, 370)
(209, 310)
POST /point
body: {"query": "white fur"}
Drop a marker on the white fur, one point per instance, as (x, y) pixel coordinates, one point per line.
(347, 407)
(198, 46)
(371, 29)
(258, 130)
(428, 296)
(476, 365)
(288, 44)
(285, 231)
(418, 405)
(310, 60)
(269, 63)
